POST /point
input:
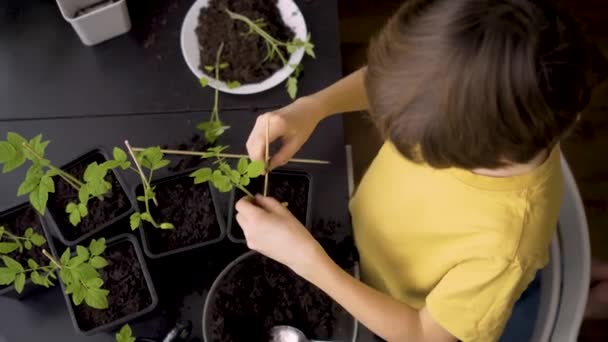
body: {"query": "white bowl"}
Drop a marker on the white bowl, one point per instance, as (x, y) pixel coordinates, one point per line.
(292, 16)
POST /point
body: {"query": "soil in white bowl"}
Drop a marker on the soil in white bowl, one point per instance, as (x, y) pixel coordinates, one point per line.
(244, 53)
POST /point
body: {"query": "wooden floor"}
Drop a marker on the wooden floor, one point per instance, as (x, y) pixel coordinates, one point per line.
(586, 150)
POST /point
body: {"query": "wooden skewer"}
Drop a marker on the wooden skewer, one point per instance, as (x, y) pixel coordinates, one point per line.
(232, 155)
(266, 157)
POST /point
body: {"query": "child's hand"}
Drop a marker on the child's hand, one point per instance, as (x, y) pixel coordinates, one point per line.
(273, 231)
(293, 124)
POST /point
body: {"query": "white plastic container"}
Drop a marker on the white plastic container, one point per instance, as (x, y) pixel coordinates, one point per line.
(98, 25)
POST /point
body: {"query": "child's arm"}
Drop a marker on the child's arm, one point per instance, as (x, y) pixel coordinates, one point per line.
(295, 123)
(273, 231)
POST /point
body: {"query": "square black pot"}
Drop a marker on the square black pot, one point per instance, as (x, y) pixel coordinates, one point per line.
(25, 212)
(58, 219)
(181, 190)
(235, 233)
(113, 243)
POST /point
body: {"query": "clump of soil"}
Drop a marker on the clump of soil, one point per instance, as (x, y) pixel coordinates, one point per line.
(189, 208)
(125, 280)
(245, 53)
(17, 222)
(289, 187)
(259, 293)
(114, 203)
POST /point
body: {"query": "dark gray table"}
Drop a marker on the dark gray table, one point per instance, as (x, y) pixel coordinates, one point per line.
(138, 87)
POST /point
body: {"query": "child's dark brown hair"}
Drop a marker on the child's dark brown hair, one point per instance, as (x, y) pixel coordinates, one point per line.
(476, 83)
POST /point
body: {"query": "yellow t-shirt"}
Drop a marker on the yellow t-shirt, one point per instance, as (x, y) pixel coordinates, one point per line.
(463, 245)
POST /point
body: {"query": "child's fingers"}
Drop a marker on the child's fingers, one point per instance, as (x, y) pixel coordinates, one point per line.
(247, 208)
(256, 143)
(270, 204)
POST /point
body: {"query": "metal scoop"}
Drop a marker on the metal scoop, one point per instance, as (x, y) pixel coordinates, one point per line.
(286, 333)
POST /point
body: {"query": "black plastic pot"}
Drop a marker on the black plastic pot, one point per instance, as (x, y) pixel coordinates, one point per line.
(181, 186)
(345, 329)
(128, 238)
(235, 234)
(10, 215)
(60, 230)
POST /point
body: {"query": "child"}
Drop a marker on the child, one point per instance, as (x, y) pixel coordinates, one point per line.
(455, 215)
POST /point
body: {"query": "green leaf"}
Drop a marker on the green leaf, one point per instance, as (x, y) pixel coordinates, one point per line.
(110, 164)
(167, 225)
(82, 252)
(38, 240)
(38, 145)
(152, 158)
(76, 261)
(12, 264)
(71, 207)
(98, 262)
(223, 65)
(220, 181)
(201, 175)
(82, 209)
(233, 84)
(292, 87)
(74, 218)
(209, 68)
(125, 334)
(33, 178)
(94, 283)
(16, 141)
(235, 177)
(37, 279)
(28, 245)
(203, 82)
(8, 247)
(79, 292)
(97, 298)
(7, 276)
(245, 180)
(31, 263)
(97, 247)
(85, 272)
(38, 199)
(242, 165)
(28, 232)
(119, 154)
(83, 194)
(94, 173)
(135, 220)
(291, 48)
(47, 182)
(19, 282)
(146, 217)
(66, 277)
(309, 48)
(255, 169)
(65, 257)
(7, 152)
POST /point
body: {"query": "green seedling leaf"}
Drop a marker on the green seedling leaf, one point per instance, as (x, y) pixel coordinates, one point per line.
(38, 240)
(76, 261)
(19, 282)
(38, 199)
(37, 279)
(245, 180)
(203, 82)
(167, 225)
(31, 263)
(209, 68)
(66, 277)
(79, 292)
(220, 181)
(141, 198)
(235, 177)
(82, 209)
(65, 257)
(135, 221)
(17, 158)
(202, 175)
(28, 232)
(8, 247)
(119, 154)
(146, 217)
(85, 272)
(7, 276)
(95, 283)
(12, 264)
(97, 298)
(33, 178)
(7, 152)
(152, 158)
(292, 87)
(291, 48)
(256, 169)
(125, 334)
(84, 194)
(98, 262)
(241, 166)
(82, 252)
(233, 84)
(223, 66)
(74, 218)
(28, 245)
(97, 246)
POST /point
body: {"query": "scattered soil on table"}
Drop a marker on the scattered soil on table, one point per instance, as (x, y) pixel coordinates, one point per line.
(285, 187)
(16, 223)
(189, 208)
(114, 204)
(245, 54)
(125, 280)
(259, 293)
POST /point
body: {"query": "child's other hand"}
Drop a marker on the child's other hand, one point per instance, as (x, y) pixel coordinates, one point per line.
(273, 231)
(292, 124)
